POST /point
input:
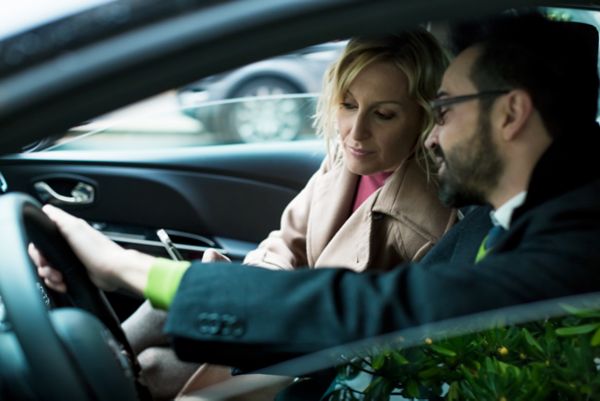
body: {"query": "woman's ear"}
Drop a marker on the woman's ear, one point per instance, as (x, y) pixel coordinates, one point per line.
(515, 110)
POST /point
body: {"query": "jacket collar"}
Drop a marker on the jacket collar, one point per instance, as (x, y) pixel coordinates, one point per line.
(409, 197)
(386, 199)
(568, 163)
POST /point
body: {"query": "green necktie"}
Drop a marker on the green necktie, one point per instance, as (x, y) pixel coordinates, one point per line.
(489, 242)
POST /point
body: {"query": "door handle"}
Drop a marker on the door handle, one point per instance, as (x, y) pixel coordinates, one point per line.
(81, 194)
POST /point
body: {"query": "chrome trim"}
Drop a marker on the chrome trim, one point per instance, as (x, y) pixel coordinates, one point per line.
(82, 194)
(3, 184)
(137, 241)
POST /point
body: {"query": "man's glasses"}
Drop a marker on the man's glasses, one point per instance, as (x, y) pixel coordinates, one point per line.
(437, 105)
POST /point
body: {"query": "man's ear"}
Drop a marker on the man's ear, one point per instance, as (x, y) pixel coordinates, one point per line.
(516, 108)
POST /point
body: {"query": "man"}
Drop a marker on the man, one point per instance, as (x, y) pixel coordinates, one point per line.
(513, 116)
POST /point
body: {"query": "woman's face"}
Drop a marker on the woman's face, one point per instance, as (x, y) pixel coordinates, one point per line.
(379, 123)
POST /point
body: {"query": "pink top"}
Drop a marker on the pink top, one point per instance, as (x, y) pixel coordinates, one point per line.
(367, 184)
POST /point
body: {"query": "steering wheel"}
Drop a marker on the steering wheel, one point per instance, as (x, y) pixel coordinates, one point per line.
(70, 353)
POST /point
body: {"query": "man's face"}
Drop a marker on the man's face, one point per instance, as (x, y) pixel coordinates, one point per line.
(468, 159)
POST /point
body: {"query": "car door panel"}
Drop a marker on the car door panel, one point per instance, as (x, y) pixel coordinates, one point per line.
(231, 197)
(206, 204)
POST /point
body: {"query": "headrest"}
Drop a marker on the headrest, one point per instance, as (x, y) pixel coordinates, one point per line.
(556, 60)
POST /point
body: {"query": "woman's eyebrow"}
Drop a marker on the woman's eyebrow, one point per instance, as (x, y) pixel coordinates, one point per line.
(377, 102)
(397, 102)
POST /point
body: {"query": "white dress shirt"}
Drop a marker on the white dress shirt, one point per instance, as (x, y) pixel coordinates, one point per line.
(502, 215)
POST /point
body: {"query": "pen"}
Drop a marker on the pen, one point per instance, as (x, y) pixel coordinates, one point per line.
(168, 244)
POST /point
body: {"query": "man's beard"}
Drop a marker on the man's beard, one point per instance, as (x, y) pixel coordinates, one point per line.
(473, 168)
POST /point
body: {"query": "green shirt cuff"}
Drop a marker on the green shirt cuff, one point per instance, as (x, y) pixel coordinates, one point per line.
(163, 281)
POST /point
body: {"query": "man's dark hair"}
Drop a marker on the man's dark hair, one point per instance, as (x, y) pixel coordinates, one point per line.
(555, 62)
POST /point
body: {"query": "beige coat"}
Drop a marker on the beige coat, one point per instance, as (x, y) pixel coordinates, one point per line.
(399, 222)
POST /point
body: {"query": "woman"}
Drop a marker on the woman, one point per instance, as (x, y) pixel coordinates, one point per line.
(371, 205)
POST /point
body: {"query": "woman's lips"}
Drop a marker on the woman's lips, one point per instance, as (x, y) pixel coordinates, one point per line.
(359, 152)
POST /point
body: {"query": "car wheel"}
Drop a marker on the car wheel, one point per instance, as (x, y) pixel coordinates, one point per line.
(263, 113)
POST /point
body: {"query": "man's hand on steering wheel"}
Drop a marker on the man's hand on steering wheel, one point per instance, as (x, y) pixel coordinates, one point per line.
(109, 266)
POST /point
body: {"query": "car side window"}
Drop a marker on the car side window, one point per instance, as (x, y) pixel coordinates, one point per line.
(272, 100)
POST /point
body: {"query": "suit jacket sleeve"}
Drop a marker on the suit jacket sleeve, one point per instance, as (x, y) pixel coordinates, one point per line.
(226, 314)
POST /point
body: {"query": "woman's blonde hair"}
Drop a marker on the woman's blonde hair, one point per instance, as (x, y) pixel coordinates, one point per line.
(416, 53)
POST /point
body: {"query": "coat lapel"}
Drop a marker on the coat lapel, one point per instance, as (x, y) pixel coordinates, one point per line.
(330, 209)
(407, 200)
(351, 244)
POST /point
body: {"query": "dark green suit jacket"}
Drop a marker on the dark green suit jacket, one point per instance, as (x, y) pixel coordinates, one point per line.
(248, 317)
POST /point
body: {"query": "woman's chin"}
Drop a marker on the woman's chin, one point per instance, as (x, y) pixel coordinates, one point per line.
(361, 168)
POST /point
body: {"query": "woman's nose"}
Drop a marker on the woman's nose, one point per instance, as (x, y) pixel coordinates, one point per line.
(360, 127)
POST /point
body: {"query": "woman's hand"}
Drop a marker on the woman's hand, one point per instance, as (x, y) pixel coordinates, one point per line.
(212, 255)
(109, 266)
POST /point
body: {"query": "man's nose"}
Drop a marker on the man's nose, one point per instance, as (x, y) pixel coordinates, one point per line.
(433, 138)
